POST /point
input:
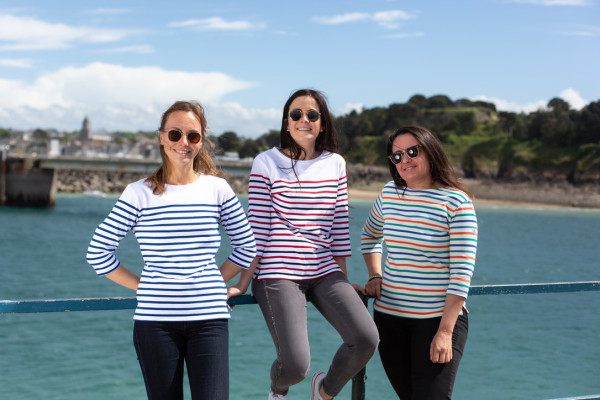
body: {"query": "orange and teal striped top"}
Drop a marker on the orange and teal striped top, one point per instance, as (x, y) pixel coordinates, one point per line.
(431, 240)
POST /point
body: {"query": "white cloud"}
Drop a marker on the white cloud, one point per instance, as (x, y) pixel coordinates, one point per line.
(217, 24)
(404, 35)
(569, 95)
(140, 49)
(26, 33)
(348, 108)
(589, 31)
(107, 11)
(341, 19)
(574, 99)
(388, 19)
(15, 62)
(511, 106)
(554, 2)
(128, 99)
(247, 122)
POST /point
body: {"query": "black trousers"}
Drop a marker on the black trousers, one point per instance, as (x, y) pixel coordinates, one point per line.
(404, 350)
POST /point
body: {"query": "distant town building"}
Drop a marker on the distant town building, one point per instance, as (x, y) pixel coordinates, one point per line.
(85, 132)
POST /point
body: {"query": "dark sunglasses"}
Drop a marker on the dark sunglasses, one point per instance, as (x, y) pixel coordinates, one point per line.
(312, 115)
(411, 152)
(174, 135)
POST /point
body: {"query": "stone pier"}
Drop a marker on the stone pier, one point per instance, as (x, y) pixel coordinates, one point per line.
(24, 183)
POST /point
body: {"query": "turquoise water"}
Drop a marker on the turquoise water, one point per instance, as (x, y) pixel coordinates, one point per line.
(520, 347)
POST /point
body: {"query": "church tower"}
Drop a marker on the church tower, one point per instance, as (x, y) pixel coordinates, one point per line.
(85, 133)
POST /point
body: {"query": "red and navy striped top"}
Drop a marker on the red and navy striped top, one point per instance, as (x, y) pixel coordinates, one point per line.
(431, 241)
(299, 216)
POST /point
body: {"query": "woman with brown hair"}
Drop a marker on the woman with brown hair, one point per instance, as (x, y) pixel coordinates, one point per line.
(175, 214)
(298, 209)
(428, 223)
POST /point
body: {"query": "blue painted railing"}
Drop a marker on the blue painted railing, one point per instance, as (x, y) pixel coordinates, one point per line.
(124, 303)
(358, 382)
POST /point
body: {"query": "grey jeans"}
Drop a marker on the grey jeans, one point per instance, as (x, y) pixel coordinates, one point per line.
(283, 304)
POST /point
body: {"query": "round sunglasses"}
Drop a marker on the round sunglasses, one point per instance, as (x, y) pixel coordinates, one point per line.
(411, 152)
(174, 135)
(312, 115)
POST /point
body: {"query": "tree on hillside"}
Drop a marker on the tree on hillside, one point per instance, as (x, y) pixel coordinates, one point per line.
(438, 101)
(399, 115)
(588, 124)
(228, 141)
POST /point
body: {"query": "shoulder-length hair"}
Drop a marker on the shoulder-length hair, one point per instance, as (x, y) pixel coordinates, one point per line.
(203, 161)
(327, 140)
(441, 169)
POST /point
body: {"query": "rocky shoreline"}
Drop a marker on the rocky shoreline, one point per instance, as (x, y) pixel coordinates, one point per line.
(365, 182)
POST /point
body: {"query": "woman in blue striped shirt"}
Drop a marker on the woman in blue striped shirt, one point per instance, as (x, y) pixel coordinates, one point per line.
(175, 214)
(428, 224)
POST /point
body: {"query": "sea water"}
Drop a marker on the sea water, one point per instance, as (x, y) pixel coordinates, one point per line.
(534, 346)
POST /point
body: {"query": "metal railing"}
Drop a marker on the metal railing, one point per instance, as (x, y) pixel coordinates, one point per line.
(358, 382)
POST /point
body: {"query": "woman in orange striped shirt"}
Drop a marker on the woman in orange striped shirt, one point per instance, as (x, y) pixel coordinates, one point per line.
(428, 223)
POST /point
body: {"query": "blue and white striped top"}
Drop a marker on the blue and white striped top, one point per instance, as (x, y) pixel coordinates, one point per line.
(431, 241)
(178, 234)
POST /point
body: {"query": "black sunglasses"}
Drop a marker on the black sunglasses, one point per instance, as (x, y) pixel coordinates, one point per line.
(312, 115)
(174, 135)
(411, 152)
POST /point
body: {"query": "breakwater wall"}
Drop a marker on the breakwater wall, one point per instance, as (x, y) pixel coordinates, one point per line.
(23, 182)
(79, 181)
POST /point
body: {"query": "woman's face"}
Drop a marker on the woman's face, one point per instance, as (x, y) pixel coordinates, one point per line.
(303, 131)
(416, 172)
(183, 151)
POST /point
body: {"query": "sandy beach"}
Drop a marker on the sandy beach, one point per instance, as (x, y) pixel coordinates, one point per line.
(514, 194)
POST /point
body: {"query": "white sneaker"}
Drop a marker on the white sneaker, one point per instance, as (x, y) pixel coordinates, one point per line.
(273, 396)
(315, 385)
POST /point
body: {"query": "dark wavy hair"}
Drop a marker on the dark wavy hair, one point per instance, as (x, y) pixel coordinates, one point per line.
(203, 161)
(441, 169)
(327, 140)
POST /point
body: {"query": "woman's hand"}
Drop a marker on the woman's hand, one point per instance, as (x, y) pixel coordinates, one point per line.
(373, 287)
(440, 351)
(233, 291)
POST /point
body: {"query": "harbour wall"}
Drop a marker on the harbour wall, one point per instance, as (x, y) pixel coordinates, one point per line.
(23, 182)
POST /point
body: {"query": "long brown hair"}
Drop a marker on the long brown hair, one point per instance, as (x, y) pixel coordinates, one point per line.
(203, 161)
(441, 169)
(328, 139)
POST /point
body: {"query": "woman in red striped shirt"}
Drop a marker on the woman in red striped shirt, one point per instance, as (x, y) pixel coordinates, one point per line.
(298, 210)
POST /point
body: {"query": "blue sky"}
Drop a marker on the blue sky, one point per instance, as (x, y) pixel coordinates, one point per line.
(121, 63)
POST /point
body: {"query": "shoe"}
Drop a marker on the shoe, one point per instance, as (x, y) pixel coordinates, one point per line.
(315, 385)
(273, 396)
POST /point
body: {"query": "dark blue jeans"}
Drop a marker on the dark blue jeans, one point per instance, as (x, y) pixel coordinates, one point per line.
(162, 348)
(404, 352)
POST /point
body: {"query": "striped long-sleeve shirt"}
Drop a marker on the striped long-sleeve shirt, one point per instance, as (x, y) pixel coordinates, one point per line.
(300, 221)
(431, 241)
(178, 234)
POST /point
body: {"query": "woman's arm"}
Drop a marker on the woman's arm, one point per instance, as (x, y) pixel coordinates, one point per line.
(373, 285)
(244, 282)
(229, 270)
(124, 277)
(441, 346)
(463, 246)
